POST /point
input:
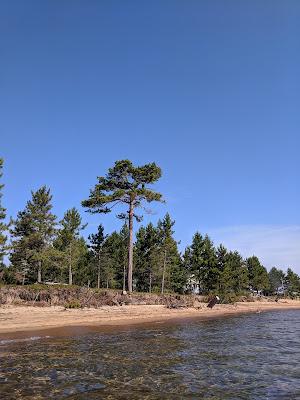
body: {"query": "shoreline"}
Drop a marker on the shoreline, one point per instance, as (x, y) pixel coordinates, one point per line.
(25, 321)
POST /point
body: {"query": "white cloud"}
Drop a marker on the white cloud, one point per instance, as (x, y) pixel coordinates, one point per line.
(274, 245)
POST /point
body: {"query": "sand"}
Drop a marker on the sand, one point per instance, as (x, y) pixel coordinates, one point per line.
(16, 319)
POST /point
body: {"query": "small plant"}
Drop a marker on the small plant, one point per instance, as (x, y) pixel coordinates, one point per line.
(229, 298)
(73, 304)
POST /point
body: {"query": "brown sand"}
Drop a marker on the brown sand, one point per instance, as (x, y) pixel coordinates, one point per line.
(14, 319)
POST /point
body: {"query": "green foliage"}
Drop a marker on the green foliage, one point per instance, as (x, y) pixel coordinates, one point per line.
(229, 298)
(7, 276)
(292, 281)
(123, 183)
(276, 279)
(96, 249)
(222, 255)
(71, 225)
(32, 234)
(235, 274)
(147, 259)
(173, 275)
(209, 260)
(115, 253)
(201, 262)
(97, 240)
(158, 265)
(257, 274)
(73, 304)
(71, 246)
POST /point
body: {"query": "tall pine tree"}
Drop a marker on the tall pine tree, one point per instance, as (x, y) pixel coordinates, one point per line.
(125, 184)
(257, 274)
(114, 258)
(96, 246)
(32, 234)
(193, 260)
(209, 265)
(221, 254)
(172, 272)
(276, 279)
(146, 252)
(69, 241)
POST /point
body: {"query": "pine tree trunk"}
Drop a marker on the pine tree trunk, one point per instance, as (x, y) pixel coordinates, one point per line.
(70, 275)
(124, 278)
(164, 271)
(99, 272)
(70, 268)
(130, 246)
(39, 276)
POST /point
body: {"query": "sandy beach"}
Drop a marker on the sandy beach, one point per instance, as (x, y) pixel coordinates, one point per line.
(14, 319)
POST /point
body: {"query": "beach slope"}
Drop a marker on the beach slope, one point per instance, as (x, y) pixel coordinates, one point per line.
(29, 318)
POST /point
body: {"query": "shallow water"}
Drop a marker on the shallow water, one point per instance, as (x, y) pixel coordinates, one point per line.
(244, 357)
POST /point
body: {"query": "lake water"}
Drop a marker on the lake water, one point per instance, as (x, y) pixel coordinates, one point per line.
(244, 357)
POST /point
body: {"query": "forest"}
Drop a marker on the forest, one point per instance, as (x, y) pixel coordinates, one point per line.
(38, 247)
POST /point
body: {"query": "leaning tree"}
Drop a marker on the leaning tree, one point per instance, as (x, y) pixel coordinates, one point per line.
(124, 184)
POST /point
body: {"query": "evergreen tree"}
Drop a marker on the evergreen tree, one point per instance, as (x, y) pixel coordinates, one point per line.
(221, 254)
(96, 246)
(69, 242)
(158, 265)
(292, 281)
(276, 279)
(187, 270)
(85, 269)
(114, 255)
(121, 271)
(147, 258)
(210, 270)
(3, 226)
(172, 272)
(125, 184)
(32, 234)
(235, 274)
(201, 261)
(257, 274)
(195, 261)
(81, 270)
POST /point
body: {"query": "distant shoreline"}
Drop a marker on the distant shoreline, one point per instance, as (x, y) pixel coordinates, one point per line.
(23, 321)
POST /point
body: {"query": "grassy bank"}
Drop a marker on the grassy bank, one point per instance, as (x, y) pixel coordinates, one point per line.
(79, 297)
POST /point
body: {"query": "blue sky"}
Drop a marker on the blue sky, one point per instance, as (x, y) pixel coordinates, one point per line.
(210, 90)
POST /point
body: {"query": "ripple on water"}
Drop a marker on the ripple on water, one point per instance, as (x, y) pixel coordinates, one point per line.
(245, 357)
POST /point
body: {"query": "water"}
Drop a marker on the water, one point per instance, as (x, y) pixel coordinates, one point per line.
(245, 357)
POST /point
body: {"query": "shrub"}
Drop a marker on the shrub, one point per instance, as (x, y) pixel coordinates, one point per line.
(73, 304)
(229, 298)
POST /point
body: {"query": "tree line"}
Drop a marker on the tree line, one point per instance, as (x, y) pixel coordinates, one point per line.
(42, 248)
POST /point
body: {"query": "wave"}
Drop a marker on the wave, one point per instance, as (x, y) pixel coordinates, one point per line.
(28, 339)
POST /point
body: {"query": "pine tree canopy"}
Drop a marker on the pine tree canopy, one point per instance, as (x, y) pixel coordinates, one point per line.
(122, 184)
(97, 239)
(71, 226)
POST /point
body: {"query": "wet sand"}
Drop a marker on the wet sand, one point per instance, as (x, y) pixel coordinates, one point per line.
(18, 320)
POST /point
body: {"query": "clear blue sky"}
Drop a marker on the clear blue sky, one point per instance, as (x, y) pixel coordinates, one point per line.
(210, 90)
